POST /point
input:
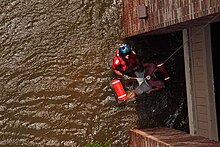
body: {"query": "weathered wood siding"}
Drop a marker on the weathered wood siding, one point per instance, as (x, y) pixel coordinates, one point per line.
(201, 97)
(164, 13)
(167, 137)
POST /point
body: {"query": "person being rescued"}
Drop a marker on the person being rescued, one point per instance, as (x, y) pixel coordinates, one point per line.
(126, 64)
(124, 61)
(150, 79)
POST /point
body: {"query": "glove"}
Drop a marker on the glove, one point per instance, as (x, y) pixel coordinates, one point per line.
(126, 77)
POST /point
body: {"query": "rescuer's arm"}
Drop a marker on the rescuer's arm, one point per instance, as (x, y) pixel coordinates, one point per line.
(116, 64)
(126, 77)
(118, 72)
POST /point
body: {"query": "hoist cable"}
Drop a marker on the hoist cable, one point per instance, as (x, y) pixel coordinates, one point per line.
(187, 40)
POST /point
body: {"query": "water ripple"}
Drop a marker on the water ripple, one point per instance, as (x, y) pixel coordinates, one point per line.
(55, 73)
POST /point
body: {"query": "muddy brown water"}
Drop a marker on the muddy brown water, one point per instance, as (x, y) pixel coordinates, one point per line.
(55, 75)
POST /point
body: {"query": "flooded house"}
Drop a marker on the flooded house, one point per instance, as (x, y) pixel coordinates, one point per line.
(199, 23)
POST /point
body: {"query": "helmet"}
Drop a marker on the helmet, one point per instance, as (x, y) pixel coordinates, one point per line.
(124, 50)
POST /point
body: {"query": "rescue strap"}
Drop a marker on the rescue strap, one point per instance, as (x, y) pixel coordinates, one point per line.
(148, 77)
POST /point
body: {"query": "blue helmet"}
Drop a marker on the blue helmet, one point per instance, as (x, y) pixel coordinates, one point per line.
(124, 50)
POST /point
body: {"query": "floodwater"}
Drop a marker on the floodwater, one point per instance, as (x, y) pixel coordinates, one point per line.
(55, 58)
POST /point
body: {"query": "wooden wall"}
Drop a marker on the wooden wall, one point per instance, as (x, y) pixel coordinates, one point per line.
(199, 77)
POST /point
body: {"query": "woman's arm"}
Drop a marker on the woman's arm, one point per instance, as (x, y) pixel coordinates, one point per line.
(153, 90)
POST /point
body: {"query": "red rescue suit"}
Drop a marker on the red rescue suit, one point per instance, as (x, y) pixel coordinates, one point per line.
(122, 64)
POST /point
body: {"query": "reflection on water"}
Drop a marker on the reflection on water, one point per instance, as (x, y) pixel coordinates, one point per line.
(55, 74)
(55, 71)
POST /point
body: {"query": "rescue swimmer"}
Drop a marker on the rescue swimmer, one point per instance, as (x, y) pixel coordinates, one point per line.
(125, 61)
(151, 77)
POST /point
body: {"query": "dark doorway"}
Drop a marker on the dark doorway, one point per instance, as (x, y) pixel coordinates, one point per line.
(215, 35)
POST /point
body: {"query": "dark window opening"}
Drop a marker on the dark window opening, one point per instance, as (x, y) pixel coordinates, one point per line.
(215, 35)
(168, 108)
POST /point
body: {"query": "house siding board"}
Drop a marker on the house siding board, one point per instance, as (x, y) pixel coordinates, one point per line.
(198, 63)
(202, 109)
(162, 14)
(197, 46)
(203, 132)
(196, 38)
(199, 92)
(198, 69)
(197, 53)
(203, 125)
(202, 118)
(201, 86)
(201, 101)
(197, 49)
(199, 78)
